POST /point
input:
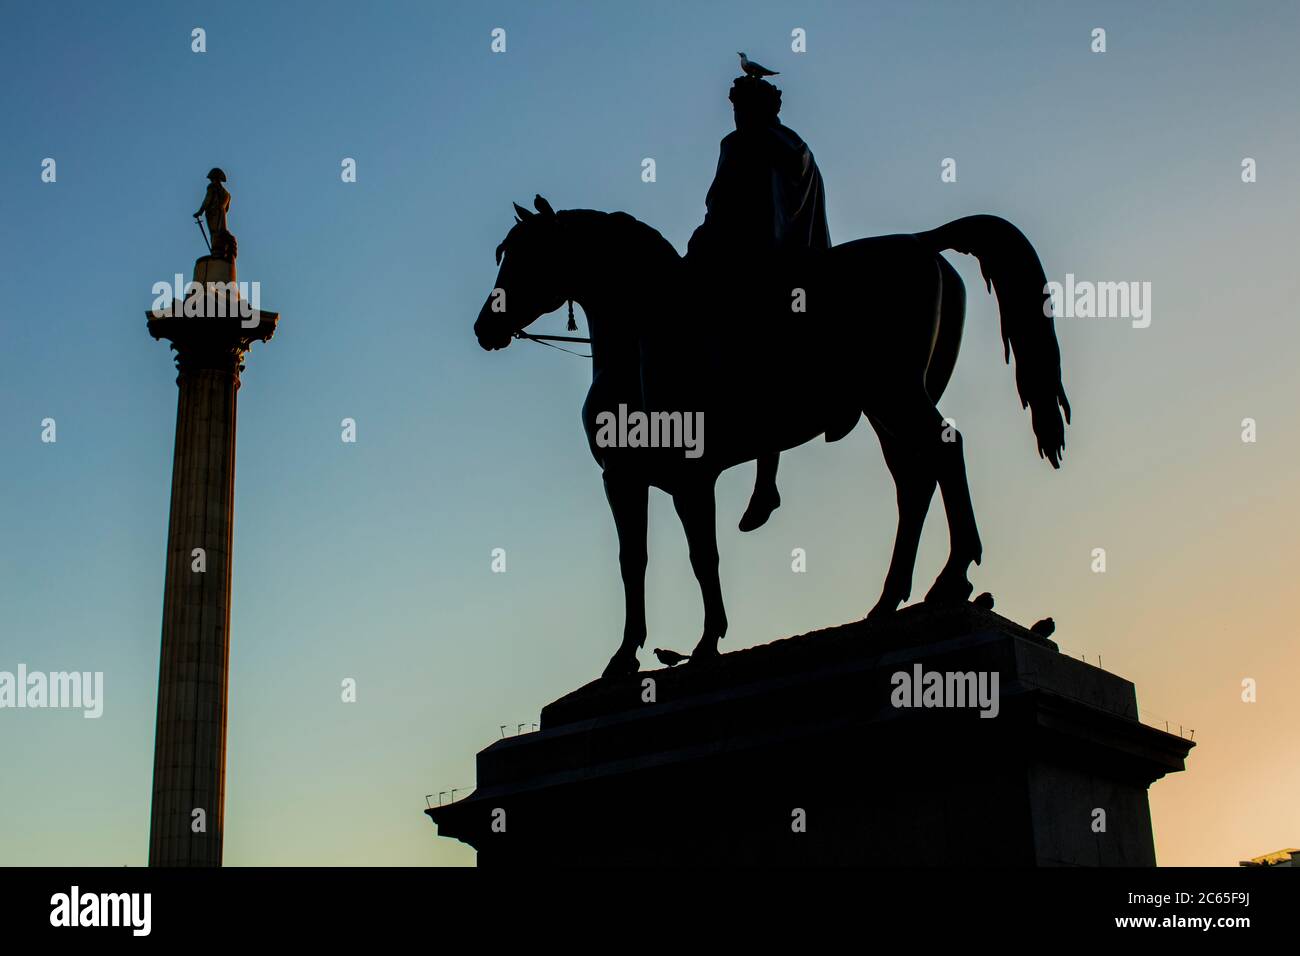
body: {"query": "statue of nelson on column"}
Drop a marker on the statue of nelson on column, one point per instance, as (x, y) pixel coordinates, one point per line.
(216, 204)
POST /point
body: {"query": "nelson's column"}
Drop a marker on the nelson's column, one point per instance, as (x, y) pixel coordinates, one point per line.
(211, 329)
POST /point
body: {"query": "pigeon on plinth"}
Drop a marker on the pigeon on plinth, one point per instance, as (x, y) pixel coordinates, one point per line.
(757, 70)
(670, 658)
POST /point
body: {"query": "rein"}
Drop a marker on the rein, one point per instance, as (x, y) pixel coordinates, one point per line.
(548, 339)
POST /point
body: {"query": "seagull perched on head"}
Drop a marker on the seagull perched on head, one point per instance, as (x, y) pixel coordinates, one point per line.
(750, 68)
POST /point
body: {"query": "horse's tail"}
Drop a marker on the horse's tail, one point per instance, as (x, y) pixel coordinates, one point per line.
(1013, 271)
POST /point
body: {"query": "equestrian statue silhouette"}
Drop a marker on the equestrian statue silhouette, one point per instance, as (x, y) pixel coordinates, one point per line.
(791, 339)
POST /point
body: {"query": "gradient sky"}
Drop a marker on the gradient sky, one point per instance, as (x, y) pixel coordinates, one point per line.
(372, 560)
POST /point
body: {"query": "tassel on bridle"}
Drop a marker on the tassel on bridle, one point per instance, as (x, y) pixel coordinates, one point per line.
(550, 339)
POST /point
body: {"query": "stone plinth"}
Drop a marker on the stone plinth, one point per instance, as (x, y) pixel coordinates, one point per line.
(719, 769)
(190, 742)
(211, 269)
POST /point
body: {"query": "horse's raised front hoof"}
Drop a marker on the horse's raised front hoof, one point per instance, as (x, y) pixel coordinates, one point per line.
(950, 590)
(622, 664)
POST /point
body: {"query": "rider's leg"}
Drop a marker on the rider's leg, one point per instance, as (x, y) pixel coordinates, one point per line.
(765, 498)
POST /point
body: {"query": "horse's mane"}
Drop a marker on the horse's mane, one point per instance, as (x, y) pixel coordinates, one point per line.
(625, 232)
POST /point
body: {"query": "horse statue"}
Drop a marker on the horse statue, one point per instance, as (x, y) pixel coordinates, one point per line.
(774, 356)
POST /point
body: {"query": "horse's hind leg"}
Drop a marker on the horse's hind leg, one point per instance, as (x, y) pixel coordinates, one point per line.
(911, 418)
(965, 548)
(914, 482)
(628, 501)
(696, 509)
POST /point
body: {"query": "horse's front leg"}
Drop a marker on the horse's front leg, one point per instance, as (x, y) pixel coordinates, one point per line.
(628, 500)
(696, 509)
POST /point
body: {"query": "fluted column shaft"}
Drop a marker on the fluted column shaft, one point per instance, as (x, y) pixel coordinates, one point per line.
(190, 743)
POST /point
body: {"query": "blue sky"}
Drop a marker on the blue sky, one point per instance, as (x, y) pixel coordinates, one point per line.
(372, 560)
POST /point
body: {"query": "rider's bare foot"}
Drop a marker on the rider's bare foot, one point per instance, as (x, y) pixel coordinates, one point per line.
(762, 503)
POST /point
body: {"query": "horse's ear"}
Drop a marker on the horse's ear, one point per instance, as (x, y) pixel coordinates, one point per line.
(543, 206)
(522, 213)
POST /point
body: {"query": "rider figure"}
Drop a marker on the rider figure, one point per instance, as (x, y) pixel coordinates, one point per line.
(766, 199)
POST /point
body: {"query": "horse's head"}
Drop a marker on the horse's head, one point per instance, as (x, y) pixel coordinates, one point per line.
(528, 282)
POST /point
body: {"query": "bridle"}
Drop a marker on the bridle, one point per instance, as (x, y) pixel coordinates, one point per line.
(548, 339)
